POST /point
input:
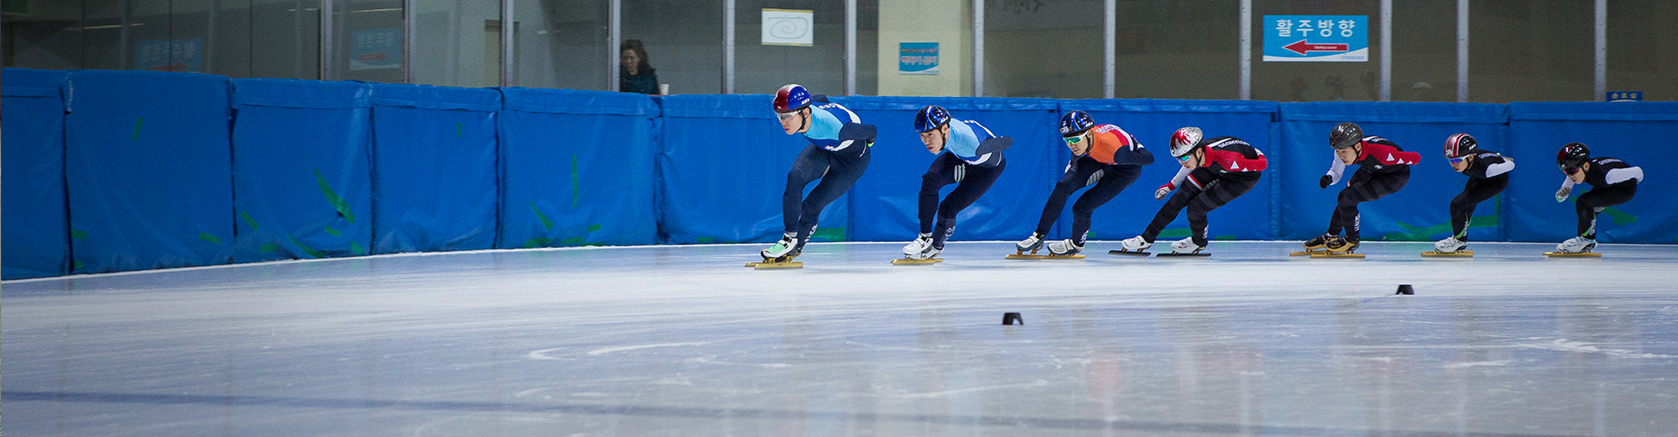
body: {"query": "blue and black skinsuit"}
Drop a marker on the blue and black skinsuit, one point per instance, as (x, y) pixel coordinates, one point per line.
(837, 154)
(973, 158)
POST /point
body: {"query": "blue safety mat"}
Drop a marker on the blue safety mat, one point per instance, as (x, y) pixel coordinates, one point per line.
(723, 161)
(149, 170)
(301, 193)
(1420, 211)
(1635, 132)
(434, 172)
(37, 232)
(576, 168)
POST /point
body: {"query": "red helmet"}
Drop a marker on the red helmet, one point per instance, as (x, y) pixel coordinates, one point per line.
(791, 98)
(1460, 145)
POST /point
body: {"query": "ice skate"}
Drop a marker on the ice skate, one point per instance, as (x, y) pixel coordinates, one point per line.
(1135, 246)
(1032, 244)
(781, 254)
(1186, 247)
(1575, 247)
(1315, 245)
(923, 252)
(1338, 247)
(1449, 247)
(1064, 248)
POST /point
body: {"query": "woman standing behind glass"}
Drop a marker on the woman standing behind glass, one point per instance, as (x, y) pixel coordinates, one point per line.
(637, 75)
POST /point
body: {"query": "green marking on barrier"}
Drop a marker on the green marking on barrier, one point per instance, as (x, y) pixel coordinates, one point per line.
(306, 249)
(338, 203)
(78, 234)
(571, 241)
(248, 220)
(537, 242)
(575, 189)
(334, 232)
(1170, 234)
(268, 248)
(706, 240)
(1224, 237)
(828, 234)
(79, 265)
(592, 228)
(1620, 217)
(457, 129)
(136, 135)
(210, 238)
(546, 224)
(356, 249)
(1424, 234)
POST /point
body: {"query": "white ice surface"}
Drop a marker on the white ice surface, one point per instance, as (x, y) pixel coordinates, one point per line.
(683, 340)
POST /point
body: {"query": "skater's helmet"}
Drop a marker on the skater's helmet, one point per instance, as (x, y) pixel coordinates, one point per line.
(1571, 155)
(1460, 145)
(930, 118)
(1075, 123)
(792, 97)
(1185, 140)
(1345, 135)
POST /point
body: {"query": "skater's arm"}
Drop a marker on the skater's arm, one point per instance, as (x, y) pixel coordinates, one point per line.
(1618, 175)
(1566, 188)
(997, 144)
(1176, 181)
(1500, 168)
(1334, 172)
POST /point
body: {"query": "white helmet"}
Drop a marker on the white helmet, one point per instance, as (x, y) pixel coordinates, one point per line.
(1184, 141)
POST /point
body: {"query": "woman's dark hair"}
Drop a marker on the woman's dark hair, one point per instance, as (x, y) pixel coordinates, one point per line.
(640, 51)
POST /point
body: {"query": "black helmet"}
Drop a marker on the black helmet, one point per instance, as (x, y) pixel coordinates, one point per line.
(1460, 145)
(1571, 155)
(1345, 135)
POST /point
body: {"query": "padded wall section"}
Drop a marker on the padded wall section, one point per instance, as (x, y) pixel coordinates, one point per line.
(434, 156)
(885, 202)
(149, 170)
(1152, 122)
(1418, 212)
(301, 169)
(37, 232)
(1636, 132)
(723, 163)
(576, 168)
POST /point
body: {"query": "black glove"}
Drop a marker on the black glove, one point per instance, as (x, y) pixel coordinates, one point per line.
(1323, 183)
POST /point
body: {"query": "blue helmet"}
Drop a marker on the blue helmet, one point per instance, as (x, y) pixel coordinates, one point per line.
(931, 117)
(1075, 123)
(792, 97)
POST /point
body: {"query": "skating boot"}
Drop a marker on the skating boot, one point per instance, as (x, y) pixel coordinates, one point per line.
(1030, 244)
(1449, 245)
(1065, 247)
(914, 249)
(784, 250)
(1576, 245)
(1340, 246)
(1186, 246)
(1318, 243)
(1134, 245)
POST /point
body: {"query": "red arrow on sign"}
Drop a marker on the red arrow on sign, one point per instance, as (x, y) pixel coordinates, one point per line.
(1301, 47)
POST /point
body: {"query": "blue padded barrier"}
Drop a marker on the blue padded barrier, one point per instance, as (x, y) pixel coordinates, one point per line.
(1420, 210)
(1636, 132)
(1152, 122)
(723, 161)
(576, 168)
(149, 170)
(37, 232)
(434, 180)
(301, 193)
(885, 202)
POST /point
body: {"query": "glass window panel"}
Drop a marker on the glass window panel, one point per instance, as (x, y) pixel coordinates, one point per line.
(1643, 48)
(683, 41)
(148, 35)
(1317, 81)
(561, 43)
(1424, 51)
(228, 50)
(1176, 49)
(867, 47)
(103, 27)
(48, 36)
(284, 39)
(189, 35)
(819, 67)
(457, 43)
(1537, 50)
(367, 40)
(1043, 48)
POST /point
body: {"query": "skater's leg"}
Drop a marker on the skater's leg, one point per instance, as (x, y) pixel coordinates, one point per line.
(1078, 175)
(1114, 181)
(842, 173)
(1175, 205)
(974, 184)
(1374, 186)
(1218, 193)
(1462, 206)
(811, 164)
(944, 171)
(1592, 203)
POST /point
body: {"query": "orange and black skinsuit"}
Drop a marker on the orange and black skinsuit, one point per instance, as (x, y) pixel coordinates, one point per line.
(1230, 169)
(1113, 161)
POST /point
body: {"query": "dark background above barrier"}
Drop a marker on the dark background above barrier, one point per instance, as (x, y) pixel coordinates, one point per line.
(153, 163)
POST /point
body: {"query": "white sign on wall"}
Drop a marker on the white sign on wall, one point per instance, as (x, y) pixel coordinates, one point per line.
(789, 27)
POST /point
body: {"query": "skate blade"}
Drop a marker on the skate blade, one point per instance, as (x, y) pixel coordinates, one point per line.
(1062, 257)
(1457, 254)
(1127, 253)
(1340, 255)
(1307, 252)
(1171, 255)
(1024, 256)
(906, 261)
(777, 265)
(1573, 255)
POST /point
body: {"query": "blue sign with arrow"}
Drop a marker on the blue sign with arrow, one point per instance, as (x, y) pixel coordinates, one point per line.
(1316, 38)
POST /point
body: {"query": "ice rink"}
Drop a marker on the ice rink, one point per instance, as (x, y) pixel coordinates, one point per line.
(685, 341)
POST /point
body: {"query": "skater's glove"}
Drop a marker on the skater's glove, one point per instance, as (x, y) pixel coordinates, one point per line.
(1162, 191)
(1561, 195)
(1324, 181)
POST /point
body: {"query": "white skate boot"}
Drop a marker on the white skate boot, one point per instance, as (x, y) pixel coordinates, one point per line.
(1186, 246)
(786, 248)
(1065, 247)
(1576, 245)
(1448, 245)
(914, 248)
(1030, 244)
(1134, 245)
